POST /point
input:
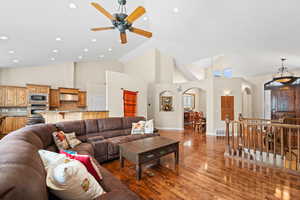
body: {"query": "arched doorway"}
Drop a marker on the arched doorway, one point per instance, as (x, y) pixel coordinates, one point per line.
(194, 109)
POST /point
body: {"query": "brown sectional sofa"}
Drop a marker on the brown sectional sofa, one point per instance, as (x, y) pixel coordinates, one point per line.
(22, 174)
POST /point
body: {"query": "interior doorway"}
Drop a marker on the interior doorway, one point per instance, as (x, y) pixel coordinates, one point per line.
(194, 105)
(247, 103)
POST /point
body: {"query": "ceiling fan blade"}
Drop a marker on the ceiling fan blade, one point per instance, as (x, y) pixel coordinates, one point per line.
(123, 38)
(103, 11)
(102, 28)
(141, 32)
(137, 13)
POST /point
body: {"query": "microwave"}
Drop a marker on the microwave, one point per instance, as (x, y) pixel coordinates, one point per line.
(38, 98)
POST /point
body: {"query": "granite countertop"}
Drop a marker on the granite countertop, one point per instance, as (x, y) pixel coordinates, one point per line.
(2, 115)
(69, 111)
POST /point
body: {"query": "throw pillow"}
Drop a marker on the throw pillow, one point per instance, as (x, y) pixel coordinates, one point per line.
(70, 180)
(138, 128)
(149, 127)
(88, 161)
(60, 140)
(72, 140)
(50, 158)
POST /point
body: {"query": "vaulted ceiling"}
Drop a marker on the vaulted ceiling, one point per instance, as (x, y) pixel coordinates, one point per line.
(252, 34)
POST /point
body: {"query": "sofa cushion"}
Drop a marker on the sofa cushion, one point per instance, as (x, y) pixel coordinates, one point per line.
(72, 126)
(109, 124)
(127, 121)
(91, 126)
(84, 149)
(109, 134)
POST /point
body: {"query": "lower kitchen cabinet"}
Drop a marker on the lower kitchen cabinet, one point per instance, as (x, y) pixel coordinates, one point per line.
(11, 124)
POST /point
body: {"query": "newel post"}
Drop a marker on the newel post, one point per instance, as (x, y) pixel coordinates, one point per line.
(227, 121)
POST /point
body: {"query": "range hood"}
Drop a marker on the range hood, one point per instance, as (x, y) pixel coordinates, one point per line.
(69, 97)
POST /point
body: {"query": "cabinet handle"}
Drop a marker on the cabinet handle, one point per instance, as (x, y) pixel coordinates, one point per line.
(150, 156)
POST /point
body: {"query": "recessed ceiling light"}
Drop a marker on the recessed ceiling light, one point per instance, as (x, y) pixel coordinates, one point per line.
(175, 10)
(3, 37)
(145, 18)
(11, 51)
(53, 59)
(58, 39)
(109, 49)
(79, 57)
(72, 5)
(94, 40)
(16, 61)
(101, 56)
(55, 51)
(85, 50)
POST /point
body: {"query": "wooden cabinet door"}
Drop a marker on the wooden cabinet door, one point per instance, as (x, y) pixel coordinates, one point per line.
(54, 98)
(2, 96)
(21, 97)
(227, 107)
(11, 96)
(82, 99)
(11, 124)
(19, 122)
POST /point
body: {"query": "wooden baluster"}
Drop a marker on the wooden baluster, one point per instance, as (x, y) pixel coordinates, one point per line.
(274, 145)
(227, 121)
(232, 135)
(282, 145)
(248, 140)
(298, 146)
(298, 143)
(290, 148)
(269, 130)
(261, 140)
(254, 140)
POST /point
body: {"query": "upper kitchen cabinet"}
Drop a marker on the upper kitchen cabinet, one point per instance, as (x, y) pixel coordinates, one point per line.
(2, 96)
(82, 99)
(38, 89)
(54, 98)
(21, 97)
(11, 96)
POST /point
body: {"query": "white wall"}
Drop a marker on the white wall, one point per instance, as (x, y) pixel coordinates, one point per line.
(114, 94)
(90, 77)
(87, 76)
(59, 75)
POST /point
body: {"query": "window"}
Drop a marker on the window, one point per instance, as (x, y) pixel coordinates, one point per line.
(189, 101)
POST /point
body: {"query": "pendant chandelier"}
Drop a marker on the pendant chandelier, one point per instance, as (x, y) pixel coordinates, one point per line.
(283, 75)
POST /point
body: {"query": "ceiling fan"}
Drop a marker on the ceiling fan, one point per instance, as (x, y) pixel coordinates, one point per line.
(122, 21)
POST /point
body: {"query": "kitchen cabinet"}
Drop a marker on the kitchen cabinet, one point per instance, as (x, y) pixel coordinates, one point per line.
(82, 99)
(38, 89)
(11, 96)
(21, 97)
(68, 91)
(2, 96)
(54, 98)
(11, 124)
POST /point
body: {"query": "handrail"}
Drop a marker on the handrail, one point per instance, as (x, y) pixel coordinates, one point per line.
(260, 141)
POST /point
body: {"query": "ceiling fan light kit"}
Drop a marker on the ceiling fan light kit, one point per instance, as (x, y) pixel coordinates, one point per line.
(122, 21)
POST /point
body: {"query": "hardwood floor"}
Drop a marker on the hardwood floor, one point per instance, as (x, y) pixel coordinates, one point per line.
(204, 174)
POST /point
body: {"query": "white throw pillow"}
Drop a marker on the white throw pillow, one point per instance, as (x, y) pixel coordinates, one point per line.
(72, 140)
(138, 128)
(51, 158)
(149, 127)
(71, 181)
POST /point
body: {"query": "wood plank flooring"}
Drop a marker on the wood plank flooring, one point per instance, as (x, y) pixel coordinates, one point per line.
(204, 173)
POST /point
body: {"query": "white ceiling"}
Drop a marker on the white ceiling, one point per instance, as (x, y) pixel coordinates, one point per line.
(251, 34)
(33, 26)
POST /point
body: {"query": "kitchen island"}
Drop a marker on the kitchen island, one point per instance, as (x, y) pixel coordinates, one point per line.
(54, 116)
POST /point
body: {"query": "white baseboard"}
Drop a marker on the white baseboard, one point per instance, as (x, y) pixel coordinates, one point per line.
(166, 128)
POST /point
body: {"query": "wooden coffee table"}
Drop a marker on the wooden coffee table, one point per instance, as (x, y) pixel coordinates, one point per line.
(149, 149)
